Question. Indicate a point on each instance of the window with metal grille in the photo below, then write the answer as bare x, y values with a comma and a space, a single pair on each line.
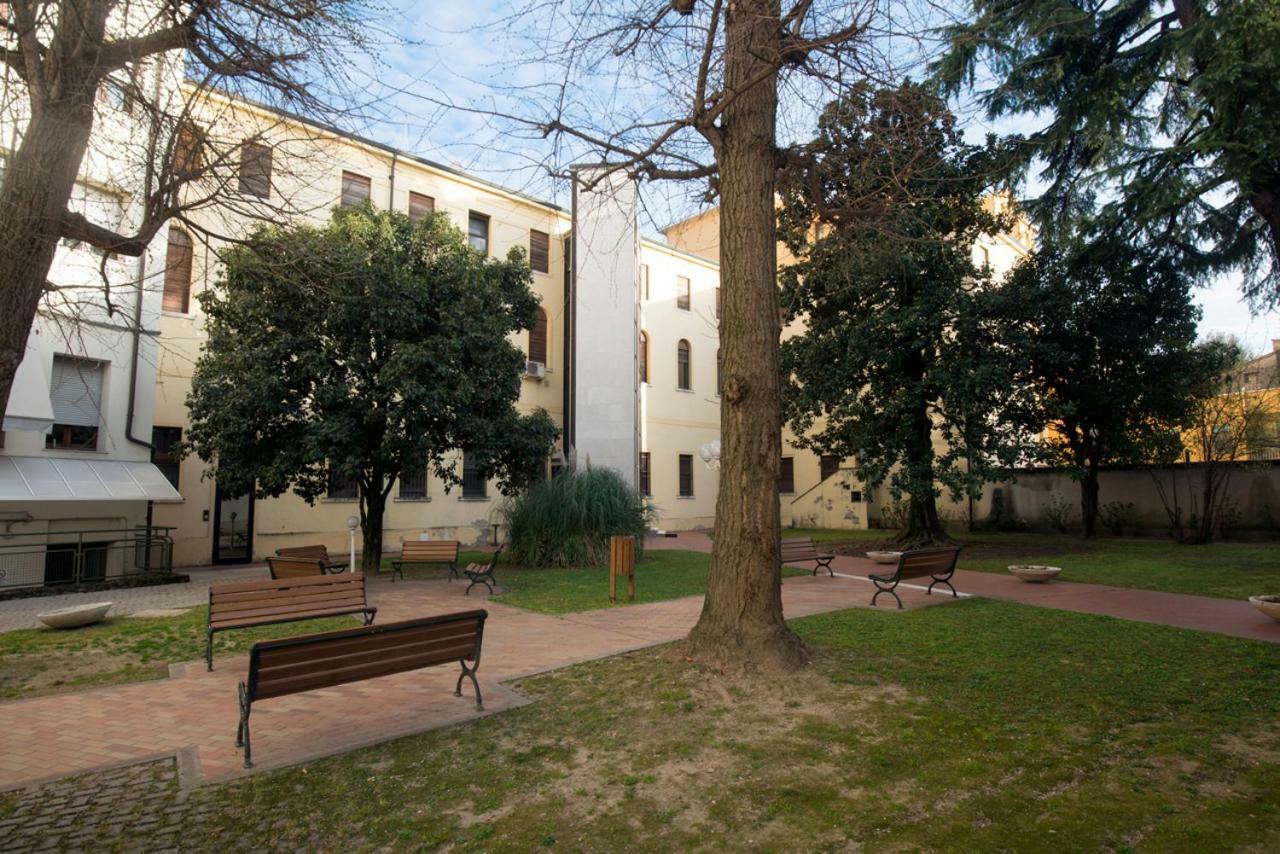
686, 475
682, 292
420, 206
163, 452
827, 466
539, 251
177, 272
255, 170
478, 231
413, 483
787, 475
75, 390
355, 189
538, 339
473, 483
645, 486
642, 355
684, 372
342, 486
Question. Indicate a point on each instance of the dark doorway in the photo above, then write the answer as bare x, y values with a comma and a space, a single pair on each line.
232, 528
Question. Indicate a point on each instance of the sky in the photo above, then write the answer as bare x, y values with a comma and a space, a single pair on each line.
448, 60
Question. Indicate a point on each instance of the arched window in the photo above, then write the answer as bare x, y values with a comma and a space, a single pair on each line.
684, 375
538, 339
177, 272
642, 355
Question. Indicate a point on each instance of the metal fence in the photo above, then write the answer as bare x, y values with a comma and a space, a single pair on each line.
94, 556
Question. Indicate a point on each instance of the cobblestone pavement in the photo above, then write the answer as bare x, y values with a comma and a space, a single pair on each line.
21, 613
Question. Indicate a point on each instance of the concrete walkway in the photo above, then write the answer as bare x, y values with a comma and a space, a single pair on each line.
1203, 613
193, 713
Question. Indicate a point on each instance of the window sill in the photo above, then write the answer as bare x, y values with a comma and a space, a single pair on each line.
686, 497
402, 500
475, 498
182, 315
684, 390
330, 500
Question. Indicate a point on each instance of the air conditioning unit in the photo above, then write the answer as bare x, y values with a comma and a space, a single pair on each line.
537, 370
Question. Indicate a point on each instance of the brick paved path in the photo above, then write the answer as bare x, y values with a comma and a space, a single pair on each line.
193, 714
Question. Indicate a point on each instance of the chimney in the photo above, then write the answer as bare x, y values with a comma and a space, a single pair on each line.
1275, 345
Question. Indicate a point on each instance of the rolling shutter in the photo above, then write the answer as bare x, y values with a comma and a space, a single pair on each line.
75, 390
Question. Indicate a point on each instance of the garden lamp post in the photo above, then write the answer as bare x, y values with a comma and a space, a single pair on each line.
352, 524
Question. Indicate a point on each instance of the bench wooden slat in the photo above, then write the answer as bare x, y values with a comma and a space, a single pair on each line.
937, 564
340, 647
273, 584
251, 601
315, 552
269, 619
332, 674
437, 550
354, 602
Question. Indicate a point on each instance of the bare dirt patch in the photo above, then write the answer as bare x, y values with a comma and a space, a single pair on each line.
31, 676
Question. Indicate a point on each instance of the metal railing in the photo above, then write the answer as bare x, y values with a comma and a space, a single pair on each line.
88, 557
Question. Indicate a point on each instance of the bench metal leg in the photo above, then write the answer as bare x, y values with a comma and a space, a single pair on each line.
397, 568
889, 590
469, 673
368, 617
242, 732
937, 580
480, 580
823, 564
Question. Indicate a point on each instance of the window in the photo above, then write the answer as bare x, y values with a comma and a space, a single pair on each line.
163, 453
76, 393
188, 151
787, 475
539, 251
478, 231
682, 292
642, 355
341, 486
717, 303
473, 485
644, 281
686, 475
255, 170
420, 206
538, 339
683, 372
645, 486
355, 189
177, 272
827, 466
413, 483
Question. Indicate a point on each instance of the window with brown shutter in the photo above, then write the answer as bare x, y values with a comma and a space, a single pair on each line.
787, 475
538, 339
827, 466
645, 486
355, 189
684, 372
539, 251
686, 475
682, 292
420, 206
255, 170
642, 355
177, 272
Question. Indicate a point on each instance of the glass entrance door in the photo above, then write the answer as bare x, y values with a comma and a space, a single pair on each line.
233, 528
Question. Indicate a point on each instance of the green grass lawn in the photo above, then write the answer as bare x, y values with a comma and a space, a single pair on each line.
663, 574
124, 649
976, 725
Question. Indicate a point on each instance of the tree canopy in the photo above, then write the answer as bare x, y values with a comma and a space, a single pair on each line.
365, 348
1168, 110
903, 342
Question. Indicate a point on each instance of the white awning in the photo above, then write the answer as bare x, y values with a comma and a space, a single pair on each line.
29, 405
56, 479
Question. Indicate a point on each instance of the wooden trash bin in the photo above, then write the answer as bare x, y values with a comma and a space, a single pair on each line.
622, 561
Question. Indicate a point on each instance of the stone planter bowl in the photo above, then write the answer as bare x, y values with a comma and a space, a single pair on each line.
75, 616
884, 557
1034, 573
1269, 605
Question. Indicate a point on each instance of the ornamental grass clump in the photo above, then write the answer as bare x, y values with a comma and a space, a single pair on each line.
567, 521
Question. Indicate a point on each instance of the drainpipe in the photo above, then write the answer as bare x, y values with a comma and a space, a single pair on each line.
391, 191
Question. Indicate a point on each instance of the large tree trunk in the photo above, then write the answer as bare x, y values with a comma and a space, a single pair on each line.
923, 526
38, 180
1089, 500
741, 626
373, 507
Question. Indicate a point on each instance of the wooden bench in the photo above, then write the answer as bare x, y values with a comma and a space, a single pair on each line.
422, 552
937, 564
482, 573
320, 553
802, 550
241, 604
309, 662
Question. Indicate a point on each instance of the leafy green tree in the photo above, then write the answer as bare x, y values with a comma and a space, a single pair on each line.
1170, 109
902, 364
364, 348
1110, 349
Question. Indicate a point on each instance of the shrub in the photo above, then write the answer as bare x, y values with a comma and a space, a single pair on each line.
1058, 514
1118, 517
894, 514
567, 521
